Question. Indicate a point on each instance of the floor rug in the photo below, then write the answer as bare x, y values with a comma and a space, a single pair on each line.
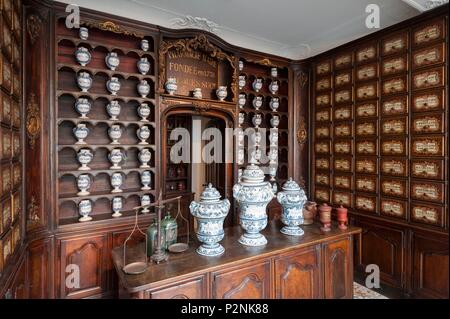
361, 292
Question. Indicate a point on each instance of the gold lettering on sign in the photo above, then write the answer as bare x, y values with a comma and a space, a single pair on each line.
394, 65
427, 146
427, 124
394, 45
365, 129
366, 110
342, 96
394, 106
322, 132
423, 212
393, 147
393, 188
343, 78
323, 84
426, 102
425, 191
365, 184
366, 54
342, 147
365, 166
394, 127
342, 165
322, 163
427, 56
342, 113
365, 147
365, 203
427, 79
428, 34
392, 208
323, 100
393, 167
342, 130
367, 72
394, 85
323, 68
342, 199
323, 116
425, 169
366, 91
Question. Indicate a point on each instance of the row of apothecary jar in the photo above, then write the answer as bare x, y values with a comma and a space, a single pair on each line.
257, 120
273, 70
83, 106
116, 156
81, 132
258, 101
172, 87
257, 84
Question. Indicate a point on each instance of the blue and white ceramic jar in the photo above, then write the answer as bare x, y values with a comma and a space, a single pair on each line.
242, 100
144, 157
113, 109
210, 213
84, 209
143, 88
113, 85
274, 72
222, 92
84, 33
115, 133
117, 205
146, 180
253, 194
112, 61
84, 81
275, 121
81, 132
116, 182
257, 102
241, 118
292, 198
273, 87
143, 134
241, 82
171, 85
83, 184
257, 120
83, 56
144, 112
145, 46
83, 107
257, 84
143, 66
84, 157
116, 157
145, 201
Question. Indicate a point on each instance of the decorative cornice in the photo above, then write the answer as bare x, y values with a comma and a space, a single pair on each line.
113, 27
33, 121
196, 23
34, 27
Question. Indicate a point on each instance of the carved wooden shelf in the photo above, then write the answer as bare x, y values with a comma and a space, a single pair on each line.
109, 122
109, 97
107, 146
94, 196
93, 172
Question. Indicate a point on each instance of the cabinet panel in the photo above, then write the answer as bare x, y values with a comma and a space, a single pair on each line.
427, 213
322, 131
189, 289
322, 179
343, 60
366, 203
343, 96
366, 147
394, 147
366, 109
323, 115
366, 183
322, 163
323, 67
38, 271
367, 72
323, 99
322, 195
298, 276
367, 165
343, 181
342, 147
429, 78
250, 282
367, 91
322, 147
366, 128
429, 56
427, 168
343, 129
338, 266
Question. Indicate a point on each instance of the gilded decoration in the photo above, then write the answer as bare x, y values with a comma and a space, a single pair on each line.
302, 134
113, 27
33, 121
34, 27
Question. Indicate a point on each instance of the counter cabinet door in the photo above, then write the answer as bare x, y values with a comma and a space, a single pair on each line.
194, 288
338, 269
250, 281
298, 275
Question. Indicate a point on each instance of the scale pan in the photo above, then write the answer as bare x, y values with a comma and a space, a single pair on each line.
178, 247
135, 268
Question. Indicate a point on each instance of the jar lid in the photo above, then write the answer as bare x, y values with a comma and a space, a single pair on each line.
210, 193
253, 174
291, 186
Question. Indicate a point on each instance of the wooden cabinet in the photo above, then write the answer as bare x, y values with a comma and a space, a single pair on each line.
298, 275
338, 263
194, 288
247, 282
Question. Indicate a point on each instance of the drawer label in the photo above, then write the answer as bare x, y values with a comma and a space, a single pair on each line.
393, 167
367, 72
427, 79
393, 147
342, 130
322, 148
322, 163
425, 169
366, 110
323, 68
323, 84
343, 113
394, 65
427, 56
342, 181
366, 166
427, 147
427, 213
394, 45
341, 198
393, 188
392, 208
342, 165
342, 96
322, 132
366, 129
342, 147
394, 127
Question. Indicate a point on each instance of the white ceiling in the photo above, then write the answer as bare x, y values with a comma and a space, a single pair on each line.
295, 29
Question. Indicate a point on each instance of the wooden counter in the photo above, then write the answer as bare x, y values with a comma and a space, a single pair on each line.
316, 265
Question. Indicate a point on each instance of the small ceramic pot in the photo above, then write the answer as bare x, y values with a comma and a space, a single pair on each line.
83, 184
84, 33
221, 93
143, 88
83, 56
83, 107
84, 157
197, 93
272, 172
84, 209
146, 179
171, 85
273, 155
241, 65
113, 85
257, 102
84, 81
115, 133
112, 61
274, 72
143, 66
144, 112
143, 134
144, 157
113, 110
116, 157
81, 132
242, 100
117, 205
145, 200
116, 182
241, 82
274, 104
241, 119
309, 213
275, 121
325, 217
257, 120
342, 217
145, 46
273, 87
257, 84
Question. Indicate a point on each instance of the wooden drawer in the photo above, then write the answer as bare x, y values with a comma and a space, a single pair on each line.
322, 178
6, 215
366, 165
342, 61
366, 128
249, 282
394, 106
323, 115
394, 208
428, 123
323, 99
367, 53
395, 85
428, 32
366, 109
428, 78
189, 289
343, 129
426, 213
16, 206
323, 67
343, 113
394, 147
342, 147
322, 147
5, 108
394, 43
394, 126
16, 120
6, 75
427, 146
394, 166
427, 168
16, 175
322, 131
6, 41
342, 164
394, 65
430, 100
342, 198
394, 187
428, 191
322, 163
365, 203
6, 250
366, 183
322, 195
6, 178
428, 56
343, 96
343, 181
367, 91
367, 72
366, 147
323, 84
6, 140
343, 78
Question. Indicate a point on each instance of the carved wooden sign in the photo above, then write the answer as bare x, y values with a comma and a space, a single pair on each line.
196, 63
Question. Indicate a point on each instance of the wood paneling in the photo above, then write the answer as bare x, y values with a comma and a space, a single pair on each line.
338, 264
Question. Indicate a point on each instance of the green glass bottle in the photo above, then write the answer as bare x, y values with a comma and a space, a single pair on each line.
169, 228
152, 237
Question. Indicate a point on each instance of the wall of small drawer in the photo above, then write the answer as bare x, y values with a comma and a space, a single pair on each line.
380, 123
10, 137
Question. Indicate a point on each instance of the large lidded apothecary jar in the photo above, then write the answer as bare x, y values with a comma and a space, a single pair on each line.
292, 198
253, 194
210, 213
